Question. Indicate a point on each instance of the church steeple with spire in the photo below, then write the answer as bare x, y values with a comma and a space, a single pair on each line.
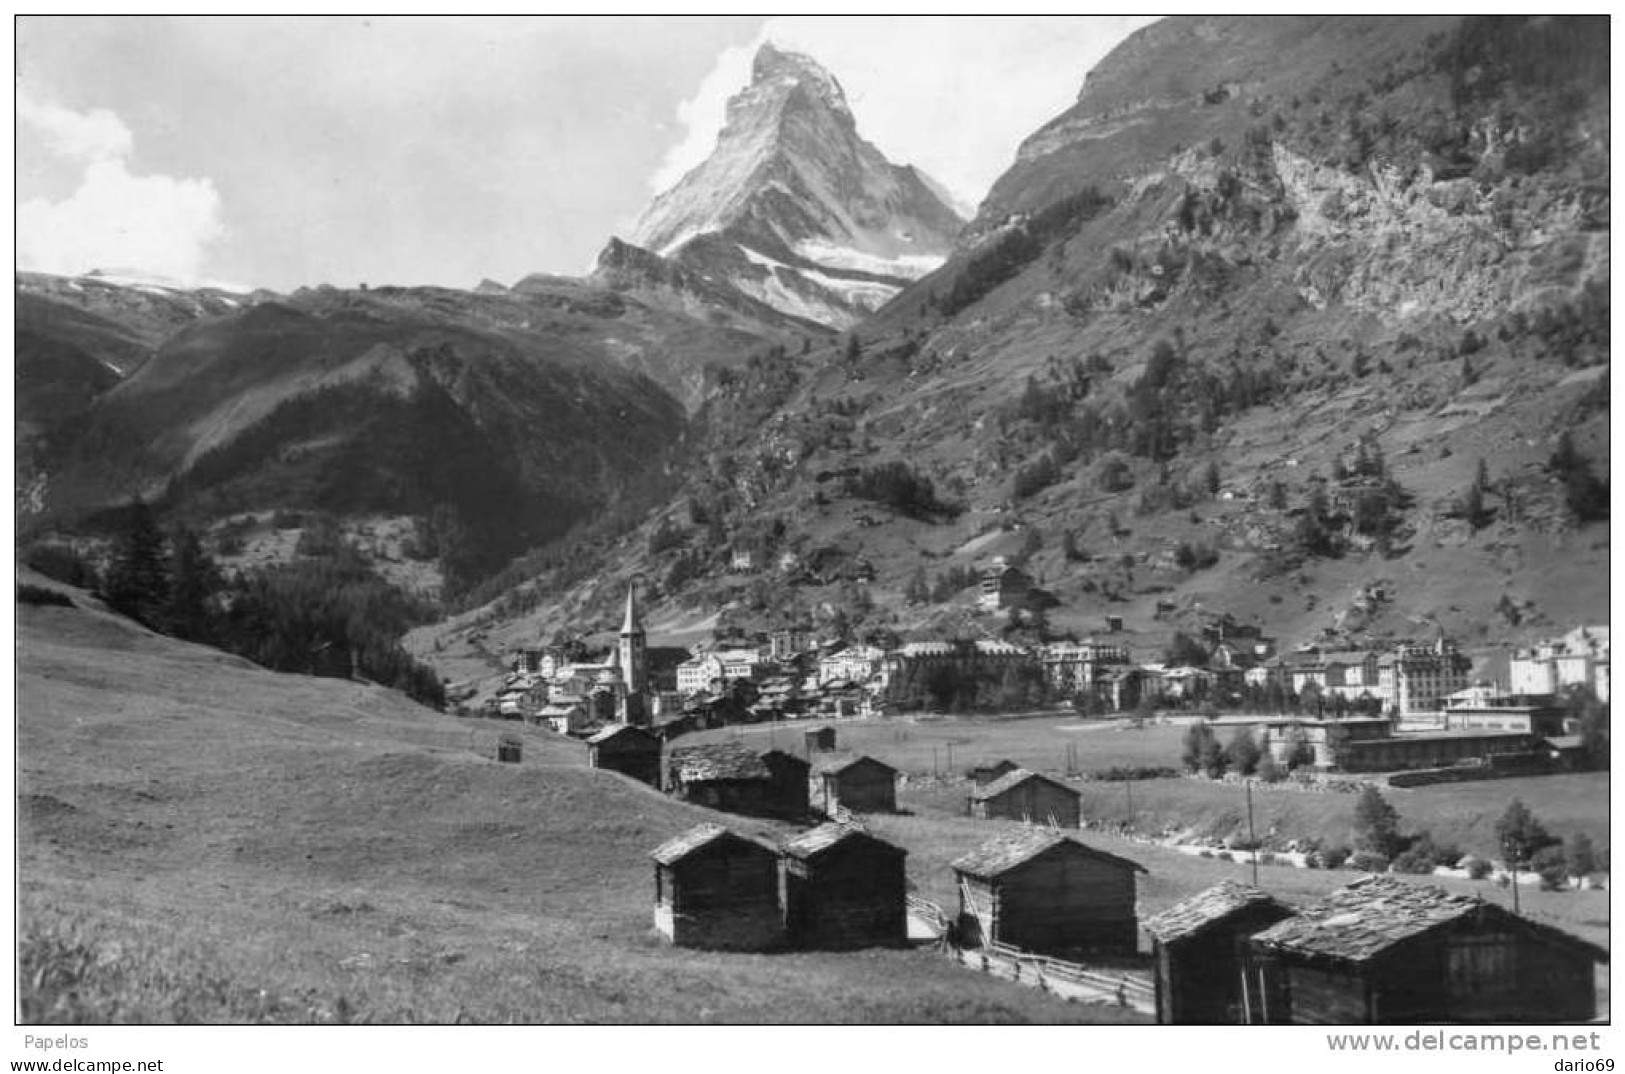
633, 647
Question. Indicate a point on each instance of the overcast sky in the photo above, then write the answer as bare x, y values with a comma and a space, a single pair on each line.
301, 150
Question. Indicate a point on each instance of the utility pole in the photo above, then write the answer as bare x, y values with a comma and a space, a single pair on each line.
1252, 836
1128, 792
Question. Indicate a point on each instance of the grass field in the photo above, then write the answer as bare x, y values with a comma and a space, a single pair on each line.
1463, 813
199, 839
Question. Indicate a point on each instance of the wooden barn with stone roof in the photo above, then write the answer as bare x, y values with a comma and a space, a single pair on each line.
858, 784
717, 889
1026, 796
628, 749
737, 779
843, 888
1047, 893
1204, 975
1384, 951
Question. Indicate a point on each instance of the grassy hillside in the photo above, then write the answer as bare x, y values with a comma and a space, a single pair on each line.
203, 840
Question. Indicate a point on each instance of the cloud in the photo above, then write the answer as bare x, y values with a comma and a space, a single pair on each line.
94, 135
954, 96
155, 224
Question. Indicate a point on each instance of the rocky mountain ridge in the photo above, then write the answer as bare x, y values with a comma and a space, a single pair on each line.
793, 207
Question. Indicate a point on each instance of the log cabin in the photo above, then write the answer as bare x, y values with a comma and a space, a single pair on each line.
1200, 952
627, 749
842, 888
717, 889
1384, 951
1047, 893
857, 784
1026, 796
737, 779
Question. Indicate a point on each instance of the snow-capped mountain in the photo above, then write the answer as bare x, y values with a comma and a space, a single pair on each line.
795, 209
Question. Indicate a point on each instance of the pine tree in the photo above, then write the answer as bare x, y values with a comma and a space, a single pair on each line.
138, 578
195, 579
1376, 824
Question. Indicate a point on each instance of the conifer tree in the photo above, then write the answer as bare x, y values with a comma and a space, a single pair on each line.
138, 578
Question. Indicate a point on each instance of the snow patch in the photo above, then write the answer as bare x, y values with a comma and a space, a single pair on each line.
907, 266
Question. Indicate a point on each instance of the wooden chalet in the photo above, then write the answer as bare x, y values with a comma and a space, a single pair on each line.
717, 889
1383, 951
1199, 947
843, 888
737, 779
819, 740
628, 749
857, 784
1047, 893
1026, 796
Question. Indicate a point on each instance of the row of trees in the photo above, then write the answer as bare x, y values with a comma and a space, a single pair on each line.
325, 613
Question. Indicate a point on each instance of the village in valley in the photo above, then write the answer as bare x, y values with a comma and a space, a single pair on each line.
1035, 899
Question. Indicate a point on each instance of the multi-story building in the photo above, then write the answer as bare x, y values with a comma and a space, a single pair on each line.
1003, 586
857, 663
1579, 658
1416, 679
1072, 668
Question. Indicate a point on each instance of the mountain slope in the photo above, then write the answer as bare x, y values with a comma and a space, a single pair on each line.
1233, 334
794, 208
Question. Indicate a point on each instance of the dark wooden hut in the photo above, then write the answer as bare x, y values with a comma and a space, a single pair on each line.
717, 889
819, 740
1384, 951
628, 749
510, 749
1204, 975
856, 784
1047, 893
787, 795
724, 775
1026, 796
842, 888
984, 774
737, 779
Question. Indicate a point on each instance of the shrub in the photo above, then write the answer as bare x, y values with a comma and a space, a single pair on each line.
34, 594
1333, 857
1269, 770
1478, 868
1376, 825
1553, 867
1369, 862
1419, 858
1225, 855
61, 563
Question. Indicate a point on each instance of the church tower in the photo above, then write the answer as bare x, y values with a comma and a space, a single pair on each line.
633, 659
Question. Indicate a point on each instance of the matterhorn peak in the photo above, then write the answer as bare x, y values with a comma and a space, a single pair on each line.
781, 67
794, 208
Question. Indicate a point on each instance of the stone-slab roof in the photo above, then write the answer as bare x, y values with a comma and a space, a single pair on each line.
1013, 778
701, 835
1205, 909
1368, 917
998, 856
822, 838
719, 761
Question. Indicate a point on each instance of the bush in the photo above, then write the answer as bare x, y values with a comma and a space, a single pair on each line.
1478, 868
63, 564
1552, 864
1333, 857
1419, 858
33, 594
1368, 862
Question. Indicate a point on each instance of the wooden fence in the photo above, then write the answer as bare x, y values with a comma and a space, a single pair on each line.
1069, 980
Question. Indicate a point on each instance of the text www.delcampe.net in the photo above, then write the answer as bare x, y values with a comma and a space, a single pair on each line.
1435, 1040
